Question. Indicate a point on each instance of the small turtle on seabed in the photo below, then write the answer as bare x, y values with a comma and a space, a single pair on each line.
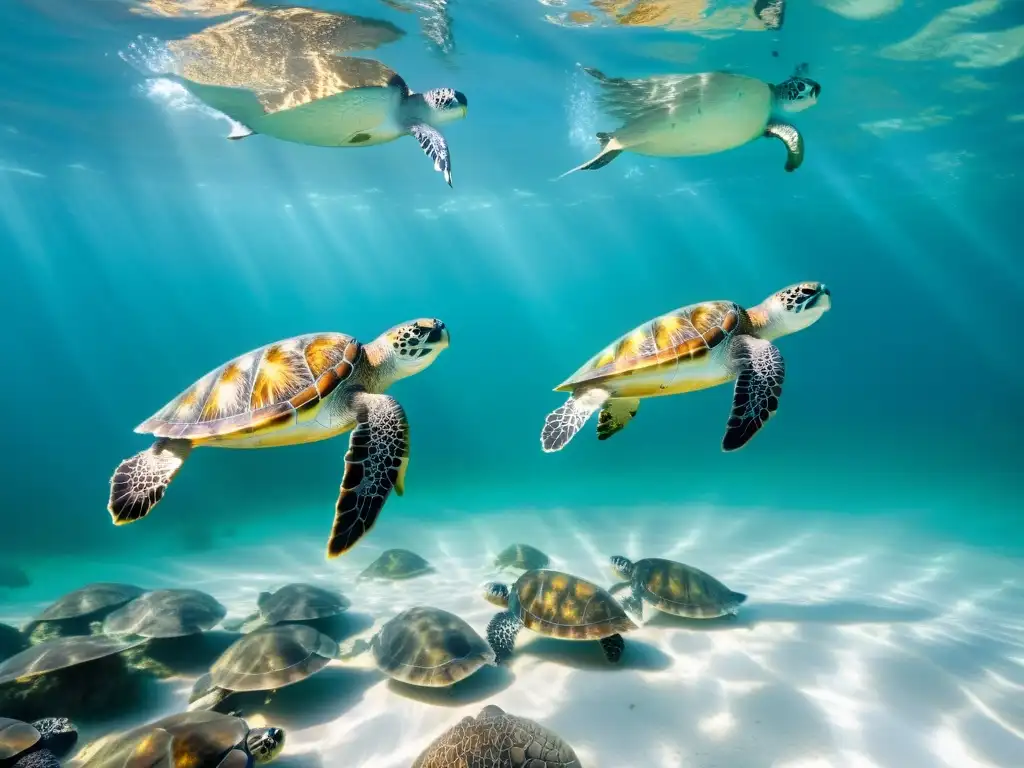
496, 739
264, 660
395, 565
83, 675
559, 605
79, 612
692, 348
194, 739
299, 390
296, 602
41, 744
701, 114
521, 557
429, 647
673, 588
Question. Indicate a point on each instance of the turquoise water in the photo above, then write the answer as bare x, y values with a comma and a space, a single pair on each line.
141, 250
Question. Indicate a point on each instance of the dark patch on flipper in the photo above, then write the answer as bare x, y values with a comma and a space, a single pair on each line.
758, 387
615, 415
359, 138
613, 646
378, 451
502, 630
794, 142
772, 13
139, 482
435, 147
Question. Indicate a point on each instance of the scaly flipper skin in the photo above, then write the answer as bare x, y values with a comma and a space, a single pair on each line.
794, 142
613, 646
615, 415
501, 635
139, 482
435, 147
564, 422
42, 758
761, 371
378, 454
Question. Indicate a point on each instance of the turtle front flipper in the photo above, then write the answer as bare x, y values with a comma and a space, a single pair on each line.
139, 483
613, 646
564, 422
634, 604
206, 695
435, 147
615, 415
41, 758
501, 635
378, 454
794, 142
760, 372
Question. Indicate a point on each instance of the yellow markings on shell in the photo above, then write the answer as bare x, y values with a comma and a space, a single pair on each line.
665, 329
570, 612
278, 376
583, 591
558, 583
325, 352
655, 582
226, 395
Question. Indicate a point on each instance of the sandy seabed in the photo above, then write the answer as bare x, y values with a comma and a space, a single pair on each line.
863, 644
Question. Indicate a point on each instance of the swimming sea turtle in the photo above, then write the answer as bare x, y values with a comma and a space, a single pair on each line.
41, 744
556, 604
673, 588
12, 641
300, 390
76, 612
296, 602
165, 613
429, 647
341, 101
395, 564
521, 556
497, 739
677, 115
265, 660
691, 348
194, 739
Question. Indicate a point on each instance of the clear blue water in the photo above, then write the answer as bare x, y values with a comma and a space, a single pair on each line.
141, 249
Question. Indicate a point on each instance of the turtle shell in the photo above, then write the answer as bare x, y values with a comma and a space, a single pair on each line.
301, 602
16, 738
683, 590
54, 655
264, 389
396, 564
643, 360
557, 604
195, 739
271, 658
496, 738
166, 613
429, 647
88, 600
521, 556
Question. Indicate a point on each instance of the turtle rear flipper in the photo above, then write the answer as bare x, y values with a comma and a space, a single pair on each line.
613, 646
501, 635
139, 482
564, 422
378, 454
610, 149
615, 415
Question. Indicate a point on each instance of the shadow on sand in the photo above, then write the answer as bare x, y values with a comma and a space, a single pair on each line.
190, 655
840, 612
316, 701
484, 683
588, 654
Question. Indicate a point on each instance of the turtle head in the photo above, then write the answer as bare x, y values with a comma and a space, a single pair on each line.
265, 744
790, 310
496, 594
410, 347
446, 104
797, 93
622, 567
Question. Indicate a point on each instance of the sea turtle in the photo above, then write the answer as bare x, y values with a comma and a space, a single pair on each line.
194, 739
674, 588
81, 674
12, 641
166, 613
265, 660
687, 115
296, 602
395, 564
496, 739
337, 101
77, 612
522, 557
429, 647
300, 390
559, 605
691, 348
41, 744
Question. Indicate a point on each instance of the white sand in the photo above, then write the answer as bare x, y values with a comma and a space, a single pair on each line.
861, 646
